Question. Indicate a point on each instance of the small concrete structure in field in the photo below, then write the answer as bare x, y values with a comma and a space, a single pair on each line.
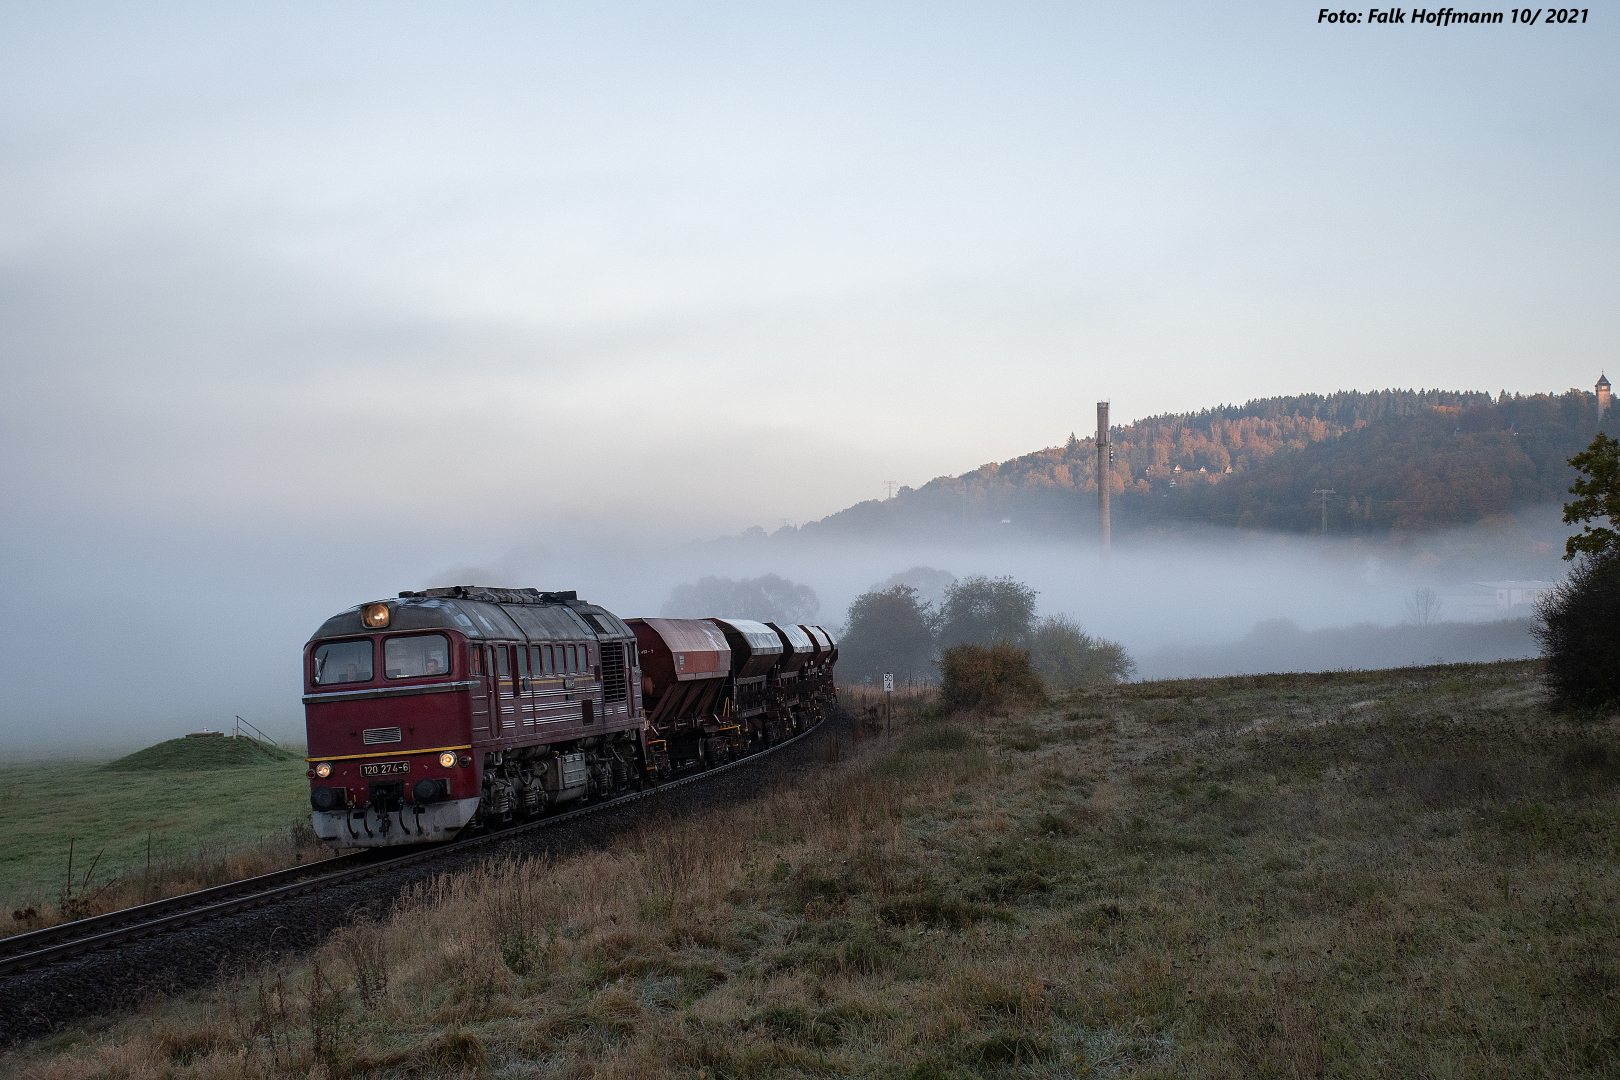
1513, 594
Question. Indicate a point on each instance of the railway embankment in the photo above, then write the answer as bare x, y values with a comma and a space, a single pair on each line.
1407, 872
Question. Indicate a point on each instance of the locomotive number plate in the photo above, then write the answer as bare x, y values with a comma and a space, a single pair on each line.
385, 768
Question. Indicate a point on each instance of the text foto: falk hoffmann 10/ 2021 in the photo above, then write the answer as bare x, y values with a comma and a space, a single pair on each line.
1453, 17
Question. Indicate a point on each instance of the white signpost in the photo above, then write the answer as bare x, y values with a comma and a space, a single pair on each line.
888, 702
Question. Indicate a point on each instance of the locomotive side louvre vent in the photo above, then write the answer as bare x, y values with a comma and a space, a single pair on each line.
613, 686
373, 736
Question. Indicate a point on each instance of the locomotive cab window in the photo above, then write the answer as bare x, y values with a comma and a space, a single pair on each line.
343, 662
417, 656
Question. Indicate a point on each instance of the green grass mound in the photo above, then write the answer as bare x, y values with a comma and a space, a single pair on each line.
201, 754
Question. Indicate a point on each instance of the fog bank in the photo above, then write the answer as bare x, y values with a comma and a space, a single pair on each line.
165, 634
1280, 645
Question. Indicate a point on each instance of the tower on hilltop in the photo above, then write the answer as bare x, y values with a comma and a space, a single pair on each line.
1105, 477
1603, 395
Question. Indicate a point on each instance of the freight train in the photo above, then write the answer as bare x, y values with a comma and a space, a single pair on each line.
448, 711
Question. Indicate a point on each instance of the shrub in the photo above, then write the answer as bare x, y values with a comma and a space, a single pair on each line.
977, 677
1580, 635
1067, 657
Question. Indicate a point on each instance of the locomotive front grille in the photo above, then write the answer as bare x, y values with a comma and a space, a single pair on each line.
373, 736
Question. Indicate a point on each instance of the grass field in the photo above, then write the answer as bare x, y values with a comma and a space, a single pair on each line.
1397, 873
211, 810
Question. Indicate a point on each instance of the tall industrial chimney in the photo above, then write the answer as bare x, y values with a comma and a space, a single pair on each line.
1105, 474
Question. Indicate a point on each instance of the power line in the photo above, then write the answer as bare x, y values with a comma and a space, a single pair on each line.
1324, 492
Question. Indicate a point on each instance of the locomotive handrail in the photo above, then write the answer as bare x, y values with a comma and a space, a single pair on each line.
388, 751
109, 932
391, 691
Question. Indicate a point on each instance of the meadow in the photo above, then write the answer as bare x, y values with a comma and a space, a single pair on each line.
1349, 874
172, 818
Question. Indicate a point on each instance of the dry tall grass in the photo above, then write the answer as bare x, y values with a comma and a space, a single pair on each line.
1405, 873
90, 890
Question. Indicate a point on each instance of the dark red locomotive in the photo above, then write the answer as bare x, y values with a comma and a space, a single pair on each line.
466, 707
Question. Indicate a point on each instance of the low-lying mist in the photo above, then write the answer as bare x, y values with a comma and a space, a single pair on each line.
1216, 602
114, 646
1280, 645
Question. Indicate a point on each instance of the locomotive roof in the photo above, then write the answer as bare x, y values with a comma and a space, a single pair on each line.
508, 614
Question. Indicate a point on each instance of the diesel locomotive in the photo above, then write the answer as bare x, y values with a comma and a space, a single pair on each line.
453, 710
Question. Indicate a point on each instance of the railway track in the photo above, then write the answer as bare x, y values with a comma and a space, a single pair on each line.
23, 953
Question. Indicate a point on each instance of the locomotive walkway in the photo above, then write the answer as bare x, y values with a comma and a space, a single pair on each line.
53, 976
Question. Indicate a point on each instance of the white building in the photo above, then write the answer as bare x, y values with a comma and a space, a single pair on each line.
1513, 594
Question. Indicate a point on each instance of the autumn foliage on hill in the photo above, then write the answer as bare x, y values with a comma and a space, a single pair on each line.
1396, 460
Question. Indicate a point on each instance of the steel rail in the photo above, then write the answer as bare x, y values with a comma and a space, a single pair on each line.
19, 944
57, 943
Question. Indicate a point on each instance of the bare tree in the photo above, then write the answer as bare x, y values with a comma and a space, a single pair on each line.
1423, 607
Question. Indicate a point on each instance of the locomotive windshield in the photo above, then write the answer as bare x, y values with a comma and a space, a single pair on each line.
343, 661
416, 656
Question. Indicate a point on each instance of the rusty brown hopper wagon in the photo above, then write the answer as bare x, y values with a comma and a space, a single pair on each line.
685, 665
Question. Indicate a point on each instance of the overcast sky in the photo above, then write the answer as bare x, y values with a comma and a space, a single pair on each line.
305, 300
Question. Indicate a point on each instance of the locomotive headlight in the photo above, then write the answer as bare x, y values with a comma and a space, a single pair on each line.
323, 770
374, 615
447, 759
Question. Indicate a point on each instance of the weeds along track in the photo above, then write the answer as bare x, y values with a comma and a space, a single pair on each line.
114, 961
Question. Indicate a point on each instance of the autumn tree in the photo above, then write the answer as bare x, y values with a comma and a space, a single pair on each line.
1597, 495
1580, 620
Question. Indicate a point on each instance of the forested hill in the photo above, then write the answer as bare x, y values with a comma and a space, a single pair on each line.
1396, 460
